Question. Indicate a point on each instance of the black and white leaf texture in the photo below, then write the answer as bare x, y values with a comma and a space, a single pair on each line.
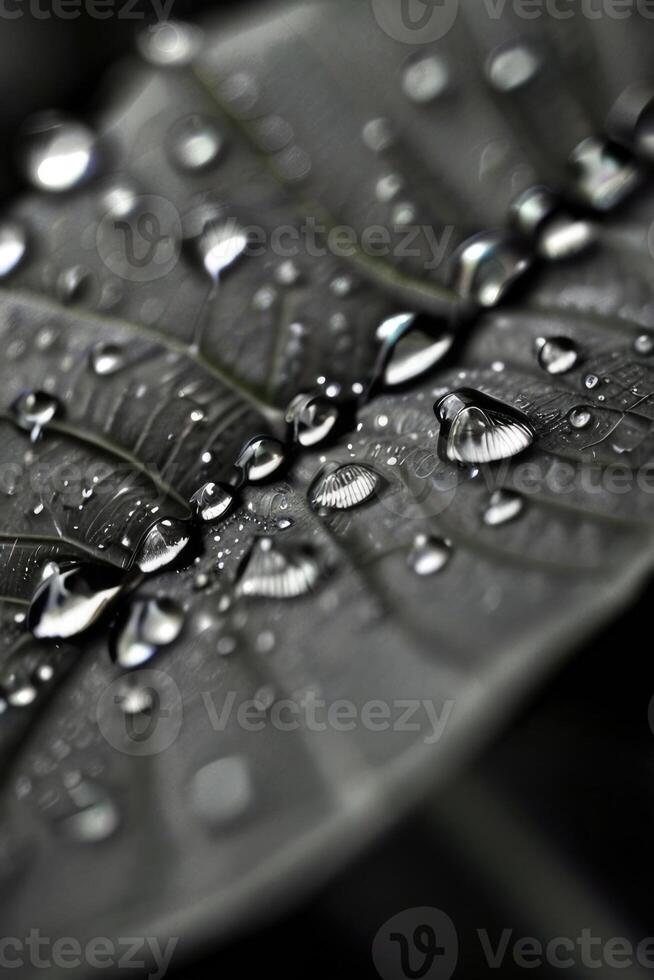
212, 828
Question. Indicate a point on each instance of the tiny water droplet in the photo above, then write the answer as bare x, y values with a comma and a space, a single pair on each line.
425, 79
429, 554
511, 66
504, 506
57, 153
118, 199
222, 791
378, 135
342, 487
274, 571
220, 245
287, 274
132, 697
107, 359
146, 625
604, 173
71, 599
579, 418
212, 501
13, 245
564, 237
260, 458
162, 544
195, 143
487, 265
312, 418
558, 355
33, 410
411, 345
644, 344
476, 428
170, 44
75, 285
591, 381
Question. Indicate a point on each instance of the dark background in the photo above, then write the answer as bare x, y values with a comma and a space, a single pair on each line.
549, 831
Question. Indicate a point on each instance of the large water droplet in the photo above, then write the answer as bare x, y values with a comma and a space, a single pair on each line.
274, 571
557, 355
107, 359
222, 791
604, 173
71, 599
410, 346
260, 458
579, 418
220, 245
429, 554
476, 428
425, 79
312, 418
212, 501
13, 244
511, 66
57, 153
504, 506
195, 143
33, 410
487, 266
145, 625
170, 44
342, 487
162, 544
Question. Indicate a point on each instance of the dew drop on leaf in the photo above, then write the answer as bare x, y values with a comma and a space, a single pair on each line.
410, 346
429, 554
107, 359
95, 816
143, 627
511, 66
504, 506
57, 153
162, 544
487, 265
212, 501
71, 599
343, 487
170, 44
579, 418
591, 381
260, 458
425, 79
476, 428
13, 245
312, 418
558, 355
644, 344
221, 791
195, 143
33, 410
275, 572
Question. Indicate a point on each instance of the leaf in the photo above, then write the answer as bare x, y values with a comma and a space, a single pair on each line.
285, 731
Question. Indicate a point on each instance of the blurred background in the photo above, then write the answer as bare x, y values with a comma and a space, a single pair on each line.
547, 832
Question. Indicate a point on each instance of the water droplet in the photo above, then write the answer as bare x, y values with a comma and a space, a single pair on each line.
504, 506
260, 458
388, 187
75, 285
195, 143
132, 697
591, 381
162, 544
312, 418
487, 266
71, 599
107, 359
13, 245
558, 355
287, 274
429, 555
579, 418
476, 428
342, 286
274, 571
118, 200
57, 153
144, 626
411, 345
212, 501
563, 237
604, 173
33, 410
644, 344
342, 487
222, 791
170, 44
378, 135
532, 208
512, 66
425, 79
220, 245
96, 817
